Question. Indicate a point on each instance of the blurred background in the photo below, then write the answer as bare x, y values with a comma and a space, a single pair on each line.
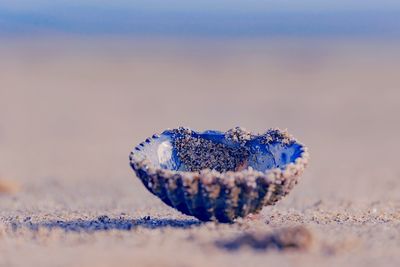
82, 82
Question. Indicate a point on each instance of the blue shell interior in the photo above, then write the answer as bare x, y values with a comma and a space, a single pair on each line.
163, 152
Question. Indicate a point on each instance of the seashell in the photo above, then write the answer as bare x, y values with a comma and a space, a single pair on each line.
216, 175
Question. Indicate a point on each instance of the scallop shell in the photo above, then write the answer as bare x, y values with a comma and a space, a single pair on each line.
219, 176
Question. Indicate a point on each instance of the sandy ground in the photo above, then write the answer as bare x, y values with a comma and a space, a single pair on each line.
71, 110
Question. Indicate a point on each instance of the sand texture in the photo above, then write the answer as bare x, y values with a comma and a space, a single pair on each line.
71, 110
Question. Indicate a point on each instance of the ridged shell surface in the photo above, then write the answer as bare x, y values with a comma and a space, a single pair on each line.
216, 175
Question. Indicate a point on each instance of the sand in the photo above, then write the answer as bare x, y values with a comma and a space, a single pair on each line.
72, 109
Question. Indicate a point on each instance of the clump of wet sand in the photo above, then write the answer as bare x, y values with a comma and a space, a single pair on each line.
288, 238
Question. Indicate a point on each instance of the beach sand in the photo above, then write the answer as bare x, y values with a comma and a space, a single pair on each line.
71, 109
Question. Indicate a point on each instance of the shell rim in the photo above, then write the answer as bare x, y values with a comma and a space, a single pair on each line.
291, 170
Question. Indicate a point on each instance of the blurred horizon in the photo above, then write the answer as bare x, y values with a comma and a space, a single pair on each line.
206, 19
